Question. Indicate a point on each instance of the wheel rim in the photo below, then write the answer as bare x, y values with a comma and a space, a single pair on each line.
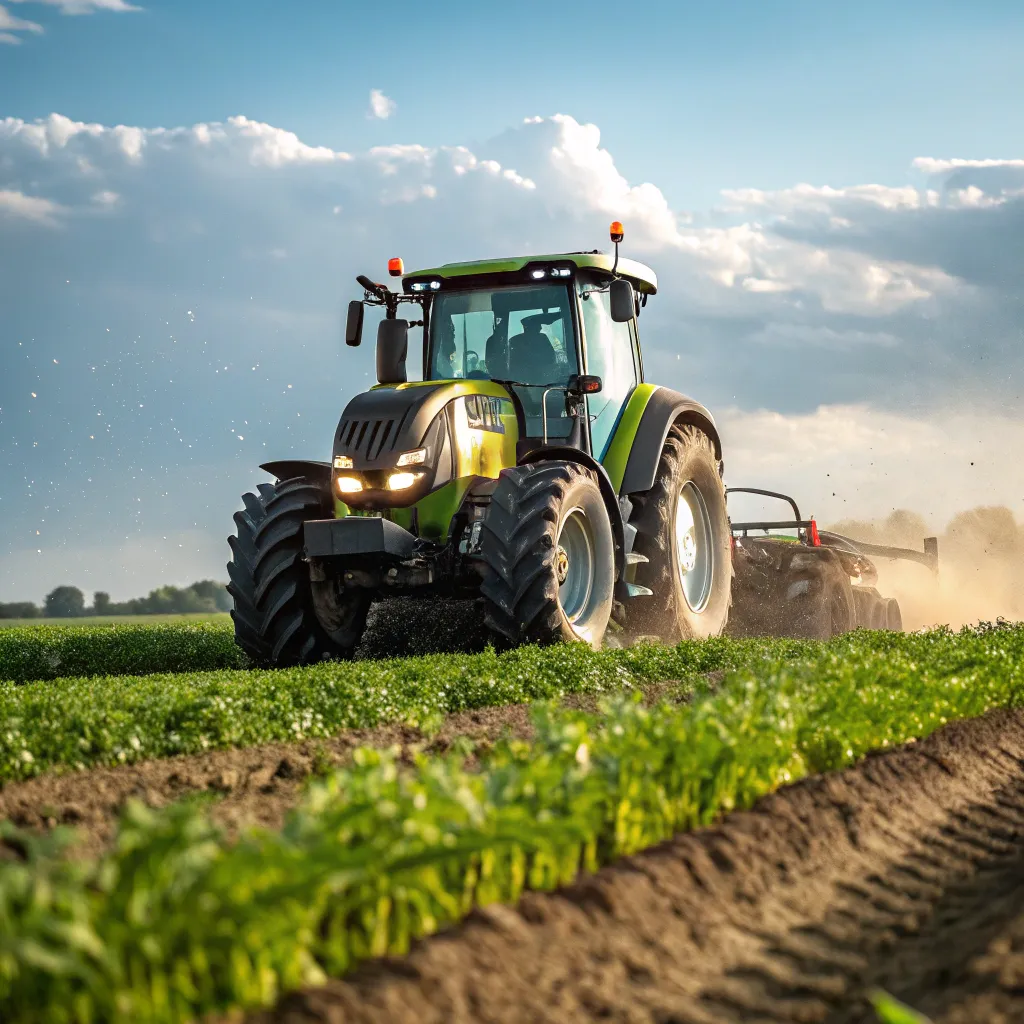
695, 555
575, 565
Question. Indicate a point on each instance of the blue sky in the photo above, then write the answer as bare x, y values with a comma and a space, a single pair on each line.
832, 196
694, 96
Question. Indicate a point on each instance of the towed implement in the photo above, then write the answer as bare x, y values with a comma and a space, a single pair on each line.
532, 467
793, 579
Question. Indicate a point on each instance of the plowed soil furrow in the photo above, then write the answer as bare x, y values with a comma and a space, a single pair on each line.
905, 872
251, 786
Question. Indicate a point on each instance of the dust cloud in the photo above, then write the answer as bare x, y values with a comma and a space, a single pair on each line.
981, 566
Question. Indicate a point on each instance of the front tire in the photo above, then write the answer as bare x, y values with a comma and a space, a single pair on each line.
282, 618
549, 556
683, 531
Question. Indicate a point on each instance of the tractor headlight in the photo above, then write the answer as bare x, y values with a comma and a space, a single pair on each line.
414, 458
343, 462
399, 481
349, 485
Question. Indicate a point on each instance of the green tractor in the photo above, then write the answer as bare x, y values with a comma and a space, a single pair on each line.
531, 468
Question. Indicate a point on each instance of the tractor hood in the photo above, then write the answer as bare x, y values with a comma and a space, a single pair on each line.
422, 421
380, 425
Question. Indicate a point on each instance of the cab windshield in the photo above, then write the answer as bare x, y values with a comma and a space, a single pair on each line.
523, 335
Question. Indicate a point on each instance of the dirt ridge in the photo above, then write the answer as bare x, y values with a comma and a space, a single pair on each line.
905, 872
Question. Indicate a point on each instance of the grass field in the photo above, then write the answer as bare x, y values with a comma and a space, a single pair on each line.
176, 920
116, 620
50, 652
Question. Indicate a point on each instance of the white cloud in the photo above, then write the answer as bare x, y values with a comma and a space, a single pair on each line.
84, 6
16, 204
822, 198
381, 106
274, 146
9, 24
931, 165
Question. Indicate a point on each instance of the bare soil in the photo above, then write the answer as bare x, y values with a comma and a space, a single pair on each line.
252, 786
904, 872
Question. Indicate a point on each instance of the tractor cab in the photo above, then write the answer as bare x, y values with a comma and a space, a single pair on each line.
559, 331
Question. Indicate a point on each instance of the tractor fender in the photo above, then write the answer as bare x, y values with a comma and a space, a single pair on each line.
664, 409
566, 453
285, 469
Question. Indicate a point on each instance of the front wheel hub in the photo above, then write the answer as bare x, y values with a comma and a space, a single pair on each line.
561, 565
575, 565
694, 547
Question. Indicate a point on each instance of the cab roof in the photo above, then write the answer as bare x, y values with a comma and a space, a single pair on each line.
642, 277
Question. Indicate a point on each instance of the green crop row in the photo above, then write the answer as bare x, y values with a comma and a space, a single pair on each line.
177, 922
78, 723
49, 652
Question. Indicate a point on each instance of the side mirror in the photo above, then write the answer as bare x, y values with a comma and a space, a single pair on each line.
392, 349
354, 323
621, 299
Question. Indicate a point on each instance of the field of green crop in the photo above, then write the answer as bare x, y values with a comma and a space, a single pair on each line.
222, 618
118, 648
175, 921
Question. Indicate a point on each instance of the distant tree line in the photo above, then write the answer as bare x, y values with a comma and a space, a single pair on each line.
206, 596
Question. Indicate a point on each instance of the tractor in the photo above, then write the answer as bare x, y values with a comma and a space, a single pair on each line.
531, 468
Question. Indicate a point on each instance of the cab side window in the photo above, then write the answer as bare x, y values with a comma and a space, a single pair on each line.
609, 355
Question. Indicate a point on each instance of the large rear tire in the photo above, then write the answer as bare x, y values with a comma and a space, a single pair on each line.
549, 553
282, 618
683, 531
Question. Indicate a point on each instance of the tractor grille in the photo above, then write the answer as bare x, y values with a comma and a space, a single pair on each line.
367, 438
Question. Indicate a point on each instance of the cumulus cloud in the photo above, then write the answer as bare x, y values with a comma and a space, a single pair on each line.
9, 25
203, 269
381, 106
16, 204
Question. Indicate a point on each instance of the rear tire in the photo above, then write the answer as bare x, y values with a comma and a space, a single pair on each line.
683, 530
281, 618
241, 571
549, 554
821, 603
